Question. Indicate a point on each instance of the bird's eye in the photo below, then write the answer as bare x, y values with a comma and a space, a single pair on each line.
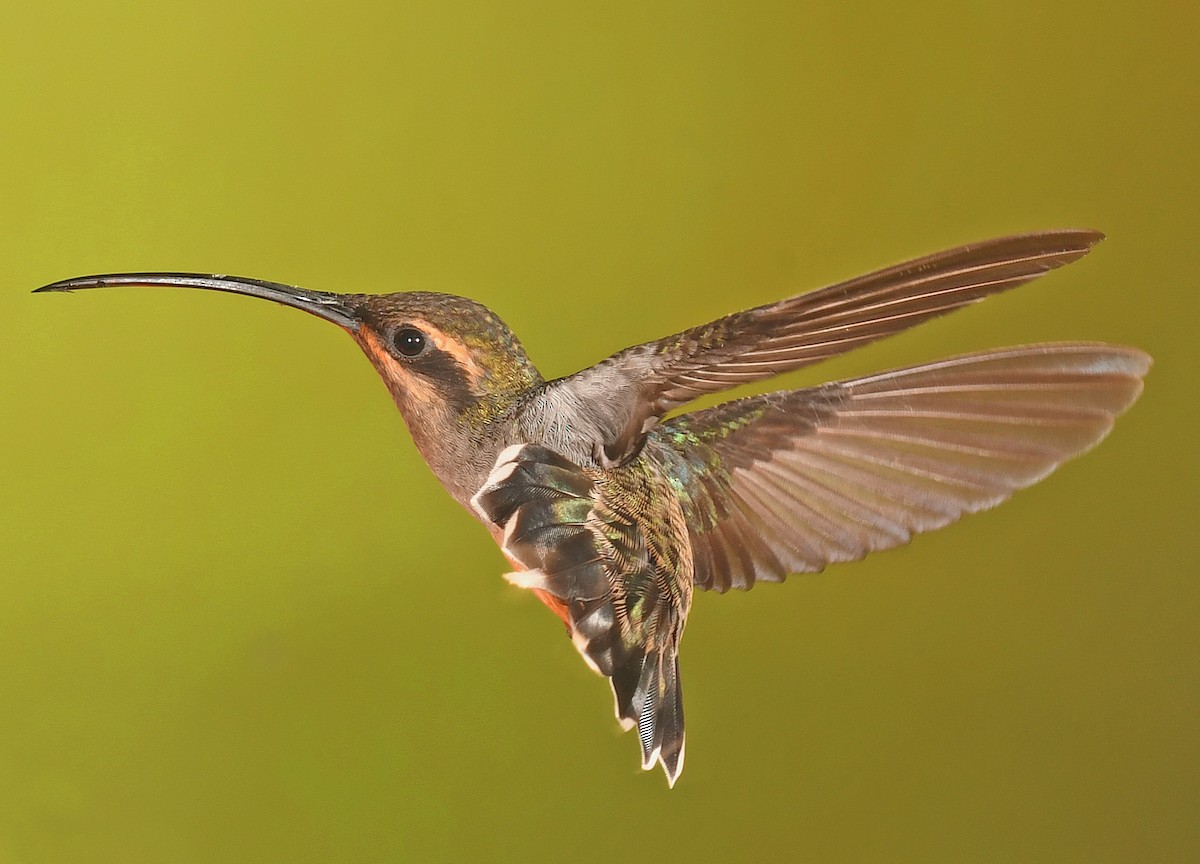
409, 341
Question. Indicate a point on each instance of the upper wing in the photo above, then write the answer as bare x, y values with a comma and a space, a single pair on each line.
610, 549
641, 384
788, 482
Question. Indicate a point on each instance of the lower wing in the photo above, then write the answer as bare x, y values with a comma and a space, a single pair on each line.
788, 482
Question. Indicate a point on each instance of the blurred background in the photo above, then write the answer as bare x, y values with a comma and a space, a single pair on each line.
240, 621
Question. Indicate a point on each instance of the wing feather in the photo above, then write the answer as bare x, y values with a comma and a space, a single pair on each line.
792, 481
641, 384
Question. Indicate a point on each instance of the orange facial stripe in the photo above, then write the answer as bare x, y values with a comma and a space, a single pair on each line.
392, 370
451, 346
389, 366
371, 344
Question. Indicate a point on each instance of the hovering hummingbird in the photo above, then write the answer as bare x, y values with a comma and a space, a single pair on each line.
612, 515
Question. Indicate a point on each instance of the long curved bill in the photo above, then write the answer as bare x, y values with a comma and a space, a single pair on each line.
336, 308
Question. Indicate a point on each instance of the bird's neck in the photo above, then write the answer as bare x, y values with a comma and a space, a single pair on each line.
460, 440
463, 414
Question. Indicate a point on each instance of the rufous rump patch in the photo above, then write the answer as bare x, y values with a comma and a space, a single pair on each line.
556, 605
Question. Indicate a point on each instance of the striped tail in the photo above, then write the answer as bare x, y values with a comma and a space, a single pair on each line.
587, 554
649, 698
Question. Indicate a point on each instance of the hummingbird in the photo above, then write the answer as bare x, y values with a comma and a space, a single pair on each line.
613, 513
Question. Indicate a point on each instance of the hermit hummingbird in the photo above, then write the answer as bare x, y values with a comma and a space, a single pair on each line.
613, 513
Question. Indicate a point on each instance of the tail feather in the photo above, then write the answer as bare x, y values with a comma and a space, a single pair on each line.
582, 540
649, 697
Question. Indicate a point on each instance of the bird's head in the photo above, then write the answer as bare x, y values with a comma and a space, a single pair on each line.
443, 358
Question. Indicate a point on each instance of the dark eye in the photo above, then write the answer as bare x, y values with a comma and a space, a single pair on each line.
409, 341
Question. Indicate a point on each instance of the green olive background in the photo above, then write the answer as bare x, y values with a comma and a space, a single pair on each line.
240, 621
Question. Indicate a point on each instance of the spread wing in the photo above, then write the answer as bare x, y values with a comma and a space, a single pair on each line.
641, 384
609, 548
791, 481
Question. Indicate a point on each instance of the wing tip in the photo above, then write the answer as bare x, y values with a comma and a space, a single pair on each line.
1087, 237
1140, 362
1082, 239
1052, 248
